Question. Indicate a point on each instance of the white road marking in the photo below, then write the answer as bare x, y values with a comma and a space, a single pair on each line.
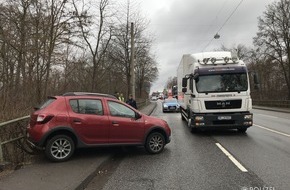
277, 132
264, 115
240, 166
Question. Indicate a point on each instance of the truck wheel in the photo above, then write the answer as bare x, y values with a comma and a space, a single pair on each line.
242, 130
59, 148
182, 117
155, 143
193, 129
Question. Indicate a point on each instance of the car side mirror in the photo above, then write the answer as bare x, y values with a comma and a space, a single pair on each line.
137, 115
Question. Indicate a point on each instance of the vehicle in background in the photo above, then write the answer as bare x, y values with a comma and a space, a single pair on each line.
154, 98
174, 92
161, 96
170, 105
76, 120
215, 91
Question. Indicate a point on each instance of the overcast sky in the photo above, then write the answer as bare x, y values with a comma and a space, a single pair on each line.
187, 26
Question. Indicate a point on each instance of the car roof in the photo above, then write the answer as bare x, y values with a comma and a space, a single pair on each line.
88, 94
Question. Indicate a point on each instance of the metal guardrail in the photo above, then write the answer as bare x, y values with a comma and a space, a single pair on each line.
12, 131
272, 103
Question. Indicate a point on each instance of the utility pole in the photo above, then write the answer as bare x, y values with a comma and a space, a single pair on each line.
132, 63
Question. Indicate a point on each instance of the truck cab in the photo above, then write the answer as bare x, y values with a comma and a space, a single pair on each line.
216, 91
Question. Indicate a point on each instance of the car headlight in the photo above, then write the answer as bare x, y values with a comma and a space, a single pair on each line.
165, 106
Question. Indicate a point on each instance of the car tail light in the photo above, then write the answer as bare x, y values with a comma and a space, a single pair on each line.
44, 118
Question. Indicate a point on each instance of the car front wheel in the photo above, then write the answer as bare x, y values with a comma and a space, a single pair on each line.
59, 148
155, 143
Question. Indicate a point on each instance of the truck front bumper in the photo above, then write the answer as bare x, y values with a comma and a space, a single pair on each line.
222, 120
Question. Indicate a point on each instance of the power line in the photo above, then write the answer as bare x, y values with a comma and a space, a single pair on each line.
218, 13
224, 23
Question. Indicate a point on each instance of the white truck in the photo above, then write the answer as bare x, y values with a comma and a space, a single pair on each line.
214, 91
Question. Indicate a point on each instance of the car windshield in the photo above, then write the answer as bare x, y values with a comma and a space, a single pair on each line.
170, 101
234, 82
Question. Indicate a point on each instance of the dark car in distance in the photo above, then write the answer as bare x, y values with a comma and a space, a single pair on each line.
75, 120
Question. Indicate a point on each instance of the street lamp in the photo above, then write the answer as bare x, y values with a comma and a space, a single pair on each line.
217, 36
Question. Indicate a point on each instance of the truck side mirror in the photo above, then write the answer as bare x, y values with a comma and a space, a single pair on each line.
184, 83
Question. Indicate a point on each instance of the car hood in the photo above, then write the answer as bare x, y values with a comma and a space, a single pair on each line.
154, 120
170, 104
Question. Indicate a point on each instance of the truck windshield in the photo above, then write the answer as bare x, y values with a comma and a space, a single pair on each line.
233, 82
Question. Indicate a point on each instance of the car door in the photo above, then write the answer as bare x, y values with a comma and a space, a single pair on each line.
124, 126
89, 121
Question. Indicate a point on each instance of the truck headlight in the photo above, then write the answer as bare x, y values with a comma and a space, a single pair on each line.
248, 117
199, 118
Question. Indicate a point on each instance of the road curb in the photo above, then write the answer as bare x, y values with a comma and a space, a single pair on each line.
92, 175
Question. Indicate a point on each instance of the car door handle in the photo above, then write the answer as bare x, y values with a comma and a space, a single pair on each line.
77, 121
115, 123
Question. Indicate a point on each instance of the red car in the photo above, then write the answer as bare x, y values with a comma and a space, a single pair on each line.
75, 120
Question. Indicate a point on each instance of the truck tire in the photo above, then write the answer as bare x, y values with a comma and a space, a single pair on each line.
193, 129
182, 117
242, 130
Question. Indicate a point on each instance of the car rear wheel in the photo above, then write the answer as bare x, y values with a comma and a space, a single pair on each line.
59, 148
155, 143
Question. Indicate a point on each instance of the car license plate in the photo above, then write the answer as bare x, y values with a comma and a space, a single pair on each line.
172, 108
224, 117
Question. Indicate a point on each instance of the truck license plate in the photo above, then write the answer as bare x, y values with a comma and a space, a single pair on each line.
224, 117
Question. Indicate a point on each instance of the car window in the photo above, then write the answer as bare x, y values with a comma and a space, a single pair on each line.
170, 101
87, 106
46, 103
117, 109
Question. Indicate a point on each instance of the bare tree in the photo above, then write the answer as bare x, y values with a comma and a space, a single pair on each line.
44, 50
273, 37
240, 50
145, 64
146, 69
98, 43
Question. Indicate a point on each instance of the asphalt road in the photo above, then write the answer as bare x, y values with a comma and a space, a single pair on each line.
226, 159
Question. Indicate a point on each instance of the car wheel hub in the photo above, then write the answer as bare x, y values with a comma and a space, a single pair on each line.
60, 148
156, 143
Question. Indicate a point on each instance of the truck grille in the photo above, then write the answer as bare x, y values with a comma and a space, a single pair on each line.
224, 104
